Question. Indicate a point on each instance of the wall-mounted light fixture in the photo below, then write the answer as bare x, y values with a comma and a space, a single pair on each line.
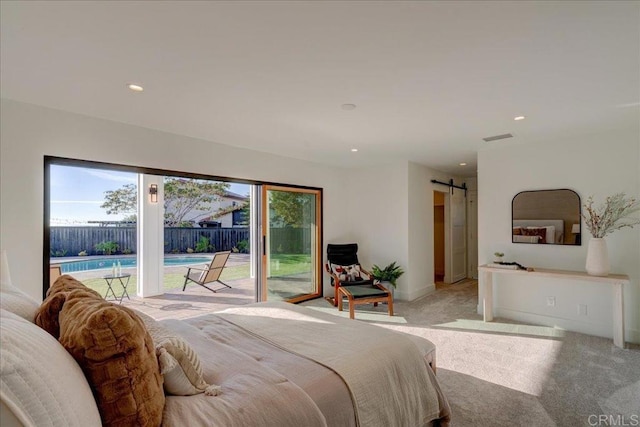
153, 193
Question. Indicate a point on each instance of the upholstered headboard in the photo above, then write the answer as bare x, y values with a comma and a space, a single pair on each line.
558, 224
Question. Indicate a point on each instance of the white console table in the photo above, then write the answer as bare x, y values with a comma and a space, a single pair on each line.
616, 280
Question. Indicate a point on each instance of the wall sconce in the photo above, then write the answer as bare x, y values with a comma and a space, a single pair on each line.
153, 193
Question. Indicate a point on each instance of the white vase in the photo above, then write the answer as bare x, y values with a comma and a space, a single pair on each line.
597, 257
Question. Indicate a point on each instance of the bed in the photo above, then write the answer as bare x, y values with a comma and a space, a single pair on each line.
275, 364
545, 231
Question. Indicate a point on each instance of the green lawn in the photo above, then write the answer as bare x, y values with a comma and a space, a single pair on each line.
281, 265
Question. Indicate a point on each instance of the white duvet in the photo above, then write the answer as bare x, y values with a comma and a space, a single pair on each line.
285, 365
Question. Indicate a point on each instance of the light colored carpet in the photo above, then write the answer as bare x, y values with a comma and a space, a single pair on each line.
505, 373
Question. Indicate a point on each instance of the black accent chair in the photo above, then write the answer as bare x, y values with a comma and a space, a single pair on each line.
347, 255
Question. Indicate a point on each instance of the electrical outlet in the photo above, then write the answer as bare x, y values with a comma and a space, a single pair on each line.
582, 309
551, 301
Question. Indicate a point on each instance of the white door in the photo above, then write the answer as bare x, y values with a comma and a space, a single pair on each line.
457, 235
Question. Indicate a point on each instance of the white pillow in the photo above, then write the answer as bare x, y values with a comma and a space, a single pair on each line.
349, 273
13, 299
525, 239
5, 276
179, 364
203, 274
40, 383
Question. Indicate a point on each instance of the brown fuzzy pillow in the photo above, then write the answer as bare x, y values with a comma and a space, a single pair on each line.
540, 232
114, 350
47, 315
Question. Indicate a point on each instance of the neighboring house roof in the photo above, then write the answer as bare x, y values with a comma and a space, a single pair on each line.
215, 218
232, 195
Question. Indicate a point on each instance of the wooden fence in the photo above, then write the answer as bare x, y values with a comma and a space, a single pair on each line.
70, 241
290, 240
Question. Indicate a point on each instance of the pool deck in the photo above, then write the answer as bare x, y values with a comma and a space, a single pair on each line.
195, 300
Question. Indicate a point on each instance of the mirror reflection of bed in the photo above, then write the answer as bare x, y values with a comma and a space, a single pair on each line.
538, 231
546, 217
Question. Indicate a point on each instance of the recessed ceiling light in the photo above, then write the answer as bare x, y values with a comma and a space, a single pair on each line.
519, 118
135, 87
463, 164
348, 106
354, 150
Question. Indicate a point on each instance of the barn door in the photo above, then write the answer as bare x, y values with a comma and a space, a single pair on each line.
457, 236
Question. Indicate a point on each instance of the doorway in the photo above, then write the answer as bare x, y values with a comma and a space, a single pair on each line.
291, 244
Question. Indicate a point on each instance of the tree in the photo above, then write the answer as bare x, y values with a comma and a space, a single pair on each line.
121, 201
294, 209
184, 199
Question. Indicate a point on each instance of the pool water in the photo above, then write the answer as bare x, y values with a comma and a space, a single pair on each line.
107, 263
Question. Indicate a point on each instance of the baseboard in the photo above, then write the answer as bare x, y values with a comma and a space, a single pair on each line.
632, 335
156, 293
606, 331
418, 293
596, 329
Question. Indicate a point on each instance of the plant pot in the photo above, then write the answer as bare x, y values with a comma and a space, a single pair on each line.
389, 287
597, 257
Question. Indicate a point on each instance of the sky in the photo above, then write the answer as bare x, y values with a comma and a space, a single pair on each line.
77, 193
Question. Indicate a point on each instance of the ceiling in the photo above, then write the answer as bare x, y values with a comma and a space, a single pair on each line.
429, 79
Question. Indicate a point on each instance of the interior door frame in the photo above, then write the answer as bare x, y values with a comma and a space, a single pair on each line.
264, 225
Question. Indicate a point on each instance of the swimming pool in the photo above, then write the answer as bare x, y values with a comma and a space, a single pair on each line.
106, 263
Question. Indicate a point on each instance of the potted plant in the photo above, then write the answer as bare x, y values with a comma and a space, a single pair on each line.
388, 274
498, 256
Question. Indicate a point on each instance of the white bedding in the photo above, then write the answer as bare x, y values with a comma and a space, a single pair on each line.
366, 375
252, 394
554, 229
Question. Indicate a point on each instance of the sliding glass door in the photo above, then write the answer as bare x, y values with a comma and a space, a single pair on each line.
291, 241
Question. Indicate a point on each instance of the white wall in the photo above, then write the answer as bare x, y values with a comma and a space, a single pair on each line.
390, 213
387, 210
29, 132
375, 201
598, 165
472, 227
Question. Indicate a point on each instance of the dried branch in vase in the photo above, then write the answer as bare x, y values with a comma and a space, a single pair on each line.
613, 215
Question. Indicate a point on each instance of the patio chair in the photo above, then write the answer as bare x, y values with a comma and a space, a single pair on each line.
55, 271
209, 274
345, 271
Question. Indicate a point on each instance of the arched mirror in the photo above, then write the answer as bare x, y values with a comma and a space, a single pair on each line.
549, 217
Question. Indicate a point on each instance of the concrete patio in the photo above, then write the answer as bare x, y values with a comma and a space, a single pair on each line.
196, 300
